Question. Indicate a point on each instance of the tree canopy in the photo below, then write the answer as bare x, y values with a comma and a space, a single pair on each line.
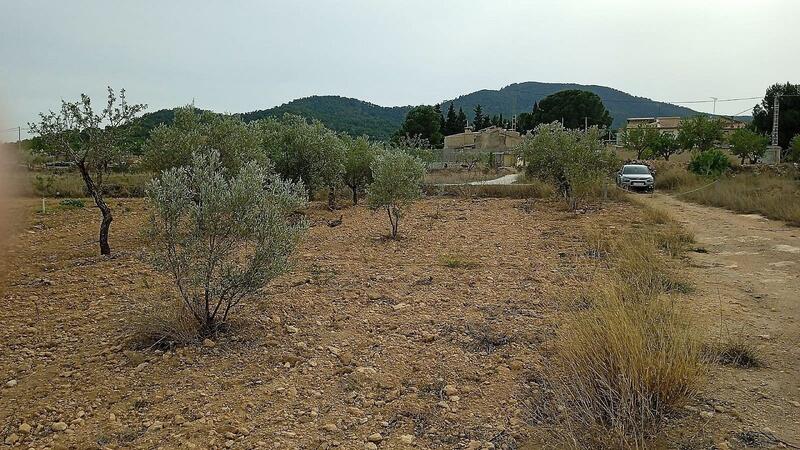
423, 121
747, 144
194, 130
303, 150
789, 114
574, 107
700, 131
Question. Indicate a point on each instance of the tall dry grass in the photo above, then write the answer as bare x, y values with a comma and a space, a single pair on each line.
622, 364
772, 194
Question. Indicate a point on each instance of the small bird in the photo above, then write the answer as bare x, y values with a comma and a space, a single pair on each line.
335, 223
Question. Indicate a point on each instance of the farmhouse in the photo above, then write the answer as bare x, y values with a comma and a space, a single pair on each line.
470, 145
672, 125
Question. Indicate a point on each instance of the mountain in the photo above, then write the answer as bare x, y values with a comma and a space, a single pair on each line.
519, 97
349, 115
357, 117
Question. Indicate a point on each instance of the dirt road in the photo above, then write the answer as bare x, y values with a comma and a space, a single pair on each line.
748, 283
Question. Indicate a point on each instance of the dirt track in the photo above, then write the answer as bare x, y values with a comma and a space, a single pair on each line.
748, 282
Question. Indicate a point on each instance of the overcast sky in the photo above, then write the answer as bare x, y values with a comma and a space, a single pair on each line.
238, 56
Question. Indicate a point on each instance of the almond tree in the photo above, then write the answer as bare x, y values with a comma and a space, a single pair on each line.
93, 141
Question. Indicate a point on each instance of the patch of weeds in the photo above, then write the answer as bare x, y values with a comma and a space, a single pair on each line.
321, 274
457, 262
71, 203
755, 438
485, 339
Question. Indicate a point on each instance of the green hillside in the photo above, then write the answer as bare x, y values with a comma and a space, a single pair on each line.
519, 97
349, 115
357, 117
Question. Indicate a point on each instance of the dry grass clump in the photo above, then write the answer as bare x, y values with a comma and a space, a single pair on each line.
640, 271
622, 366
164, 324
773, 194
631, 356
737, 351
674, 239
657, 215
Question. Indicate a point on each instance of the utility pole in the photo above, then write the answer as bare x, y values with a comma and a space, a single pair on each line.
585, 123
775, 120
715, 104
19, 142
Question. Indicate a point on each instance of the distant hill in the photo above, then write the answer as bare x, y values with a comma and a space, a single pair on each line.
519, 97
357, 117
349, 115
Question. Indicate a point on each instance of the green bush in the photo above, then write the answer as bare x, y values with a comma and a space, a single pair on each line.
709, 163
72, 203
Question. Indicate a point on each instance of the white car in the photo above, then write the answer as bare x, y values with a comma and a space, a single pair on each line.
635, 176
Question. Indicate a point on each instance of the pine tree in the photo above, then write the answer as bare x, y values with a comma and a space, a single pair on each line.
438, 108
479, 119
451, 123
461, 121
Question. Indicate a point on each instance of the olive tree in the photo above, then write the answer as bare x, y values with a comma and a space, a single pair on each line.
306, 151
93, 141
192, 129
574, 160
358, 155
397, 177
222, 238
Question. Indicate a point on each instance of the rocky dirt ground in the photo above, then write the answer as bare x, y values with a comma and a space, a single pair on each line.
367, 343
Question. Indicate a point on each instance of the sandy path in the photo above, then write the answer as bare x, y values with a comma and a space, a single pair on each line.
748, 282
505, 179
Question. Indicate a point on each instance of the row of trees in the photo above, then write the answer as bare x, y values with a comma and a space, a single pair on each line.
225, 206
290, 146
700, 132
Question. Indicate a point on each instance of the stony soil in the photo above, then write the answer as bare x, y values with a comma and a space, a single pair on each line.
367, 343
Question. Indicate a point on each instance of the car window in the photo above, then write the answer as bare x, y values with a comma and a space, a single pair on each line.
635, 170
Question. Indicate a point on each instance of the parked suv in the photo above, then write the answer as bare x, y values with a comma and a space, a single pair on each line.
635, 176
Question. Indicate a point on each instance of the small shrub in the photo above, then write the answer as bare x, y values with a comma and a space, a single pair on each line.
72, 203
712, 162
222, 239
397, 177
